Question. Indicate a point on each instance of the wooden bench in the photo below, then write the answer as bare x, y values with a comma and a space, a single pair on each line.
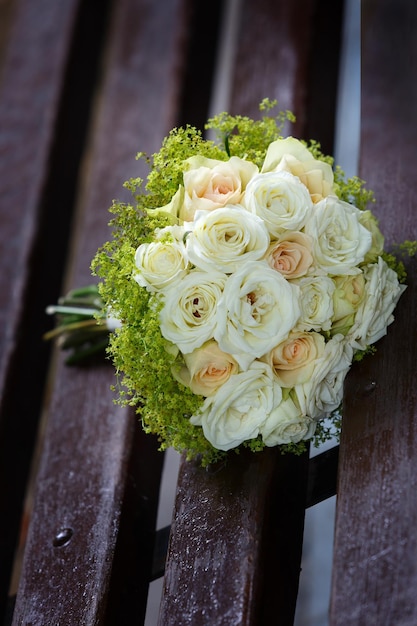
86, 85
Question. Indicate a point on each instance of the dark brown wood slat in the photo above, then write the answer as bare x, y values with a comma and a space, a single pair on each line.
305, 83
232, 527
272, 59
32, 81
85, 465
375, 563
219, 570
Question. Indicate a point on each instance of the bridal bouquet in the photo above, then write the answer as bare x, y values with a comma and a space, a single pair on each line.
246, 275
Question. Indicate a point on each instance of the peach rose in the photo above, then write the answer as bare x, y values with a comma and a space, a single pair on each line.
291, 256
206, 369
210, 184
292, 361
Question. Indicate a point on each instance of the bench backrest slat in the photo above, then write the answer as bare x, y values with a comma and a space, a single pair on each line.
375, 563
32, 82
85, 467
93, 84
234, 554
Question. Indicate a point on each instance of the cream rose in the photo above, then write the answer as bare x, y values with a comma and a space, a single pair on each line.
292, 361
210, 184
239, 408
172, 209
323, 393
292, 156
258, 308
316, 302
340, 240
189, 315
206, 369
348, 294
161, 263
290, 255
375, 312
286, 424
369, 221
280, 199
225, 238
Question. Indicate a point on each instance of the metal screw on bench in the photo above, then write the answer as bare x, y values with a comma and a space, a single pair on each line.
369, 387
62, 537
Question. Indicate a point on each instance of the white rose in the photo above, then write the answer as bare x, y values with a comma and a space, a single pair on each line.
323, 393
348, 294
375, 312
210, 184
280, 199
163, 262
189, 315
206, 369
340, 240
258, 308
225, 238
368, 219
292, 361
292, 156
287, 424
316, 303
290, 255
239, 408
170, 210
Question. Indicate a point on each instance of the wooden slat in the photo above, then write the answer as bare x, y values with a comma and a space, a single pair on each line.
235, 541
235, 548
290, 51
375, 566
35, 53
85, 467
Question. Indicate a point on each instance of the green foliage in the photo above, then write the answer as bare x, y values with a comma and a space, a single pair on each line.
352, 190
401, 252
246, 138
395, 264
408, 248
361, 354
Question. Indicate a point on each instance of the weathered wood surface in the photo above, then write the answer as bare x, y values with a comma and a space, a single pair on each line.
31, 237
375, 565
75, 541
235, 548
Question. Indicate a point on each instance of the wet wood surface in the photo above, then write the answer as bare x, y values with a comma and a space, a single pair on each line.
94, 464
30, 106
235, 549
99, 86
375, 565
